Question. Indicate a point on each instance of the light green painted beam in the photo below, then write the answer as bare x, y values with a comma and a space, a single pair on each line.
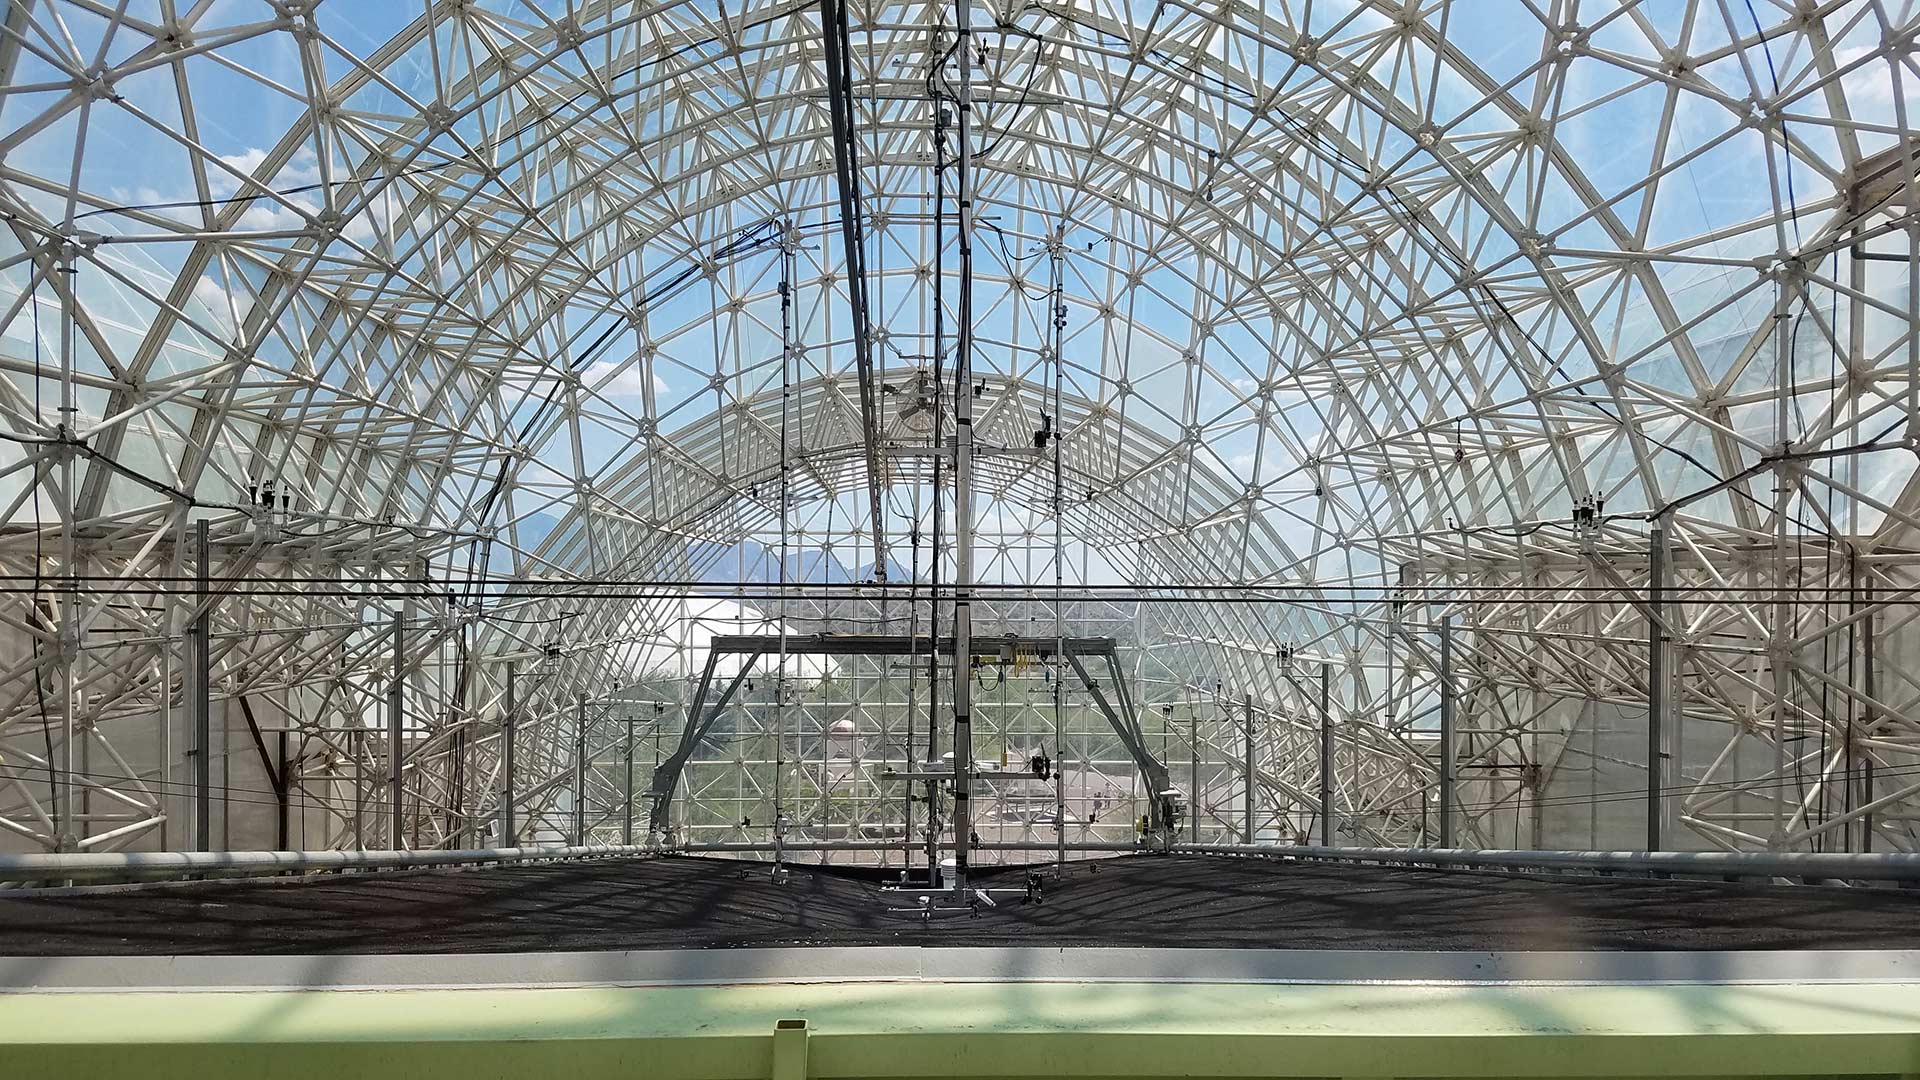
971, 1030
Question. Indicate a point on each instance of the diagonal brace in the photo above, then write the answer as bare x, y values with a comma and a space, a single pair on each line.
1154, 773
700, 721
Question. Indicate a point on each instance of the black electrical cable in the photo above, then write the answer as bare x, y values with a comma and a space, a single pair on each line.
1013, 264
1786, 143
39, 553
256, 196
1033, 79
939, 423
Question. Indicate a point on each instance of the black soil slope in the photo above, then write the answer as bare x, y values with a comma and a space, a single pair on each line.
1147, 900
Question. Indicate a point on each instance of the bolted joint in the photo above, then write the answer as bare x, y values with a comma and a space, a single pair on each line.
64, 648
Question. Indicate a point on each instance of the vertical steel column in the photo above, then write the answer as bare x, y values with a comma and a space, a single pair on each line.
856, 285
67, 623
580, 770
963, 464
1868, 715
839, 71
509, 832
1326, 758
1656, 674
937, 489
199, 704
1779, 646
1446, 731
283, 834
626, 821
1589, 715
359, 741
1059, 734
1859, 834
1913, 329
913, 688
226, 779
462, 820
1247, 837
163, 735
1537, 814
396, 754
172, 743
1057, 264
1193, 797
225, 755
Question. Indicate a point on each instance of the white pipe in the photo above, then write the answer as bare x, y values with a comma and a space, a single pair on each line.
1875, 866
162, 864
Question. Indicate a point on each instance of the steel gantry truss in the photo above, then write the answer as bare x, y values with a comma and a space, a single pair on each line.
399, 399
1116, 706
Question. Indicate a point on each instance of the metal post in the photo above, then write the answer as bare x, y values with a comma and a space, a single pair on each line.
163, 733
457, 820
462, 816
626, 822
580, 771
1058, 253
1446, 731
913, 688
788, 259
1059, 743
1656, 674
963, 463
1913, 331
283, 834
1857, 710
359, 741
1248, 836
934, 438
226, 781
509, 832
1326, 759
396, 754
199, 704
68, 622
1781, 631
1193, 782
913, 691
1869, 715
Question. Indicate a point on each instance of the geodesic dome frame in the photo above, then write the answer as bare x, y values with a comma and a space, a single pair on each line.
474, 318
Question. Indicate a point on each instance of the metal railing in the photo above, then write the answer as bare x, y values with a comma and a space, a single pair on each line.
1809, 866
1802, 865
89, 867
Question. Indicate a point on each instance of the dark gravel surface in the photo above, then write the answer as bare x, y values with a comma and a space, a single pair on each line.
1147, 900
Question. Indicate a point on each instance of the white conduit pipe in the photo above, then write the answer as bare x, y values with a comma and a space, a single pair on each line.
95, 866
1826, 866
148, 865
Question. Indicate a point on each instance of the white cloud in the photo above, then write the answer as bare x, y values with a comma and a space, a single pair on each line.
602, 378
213, 309
302, 169
246, 161
266, 216
1869, 88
